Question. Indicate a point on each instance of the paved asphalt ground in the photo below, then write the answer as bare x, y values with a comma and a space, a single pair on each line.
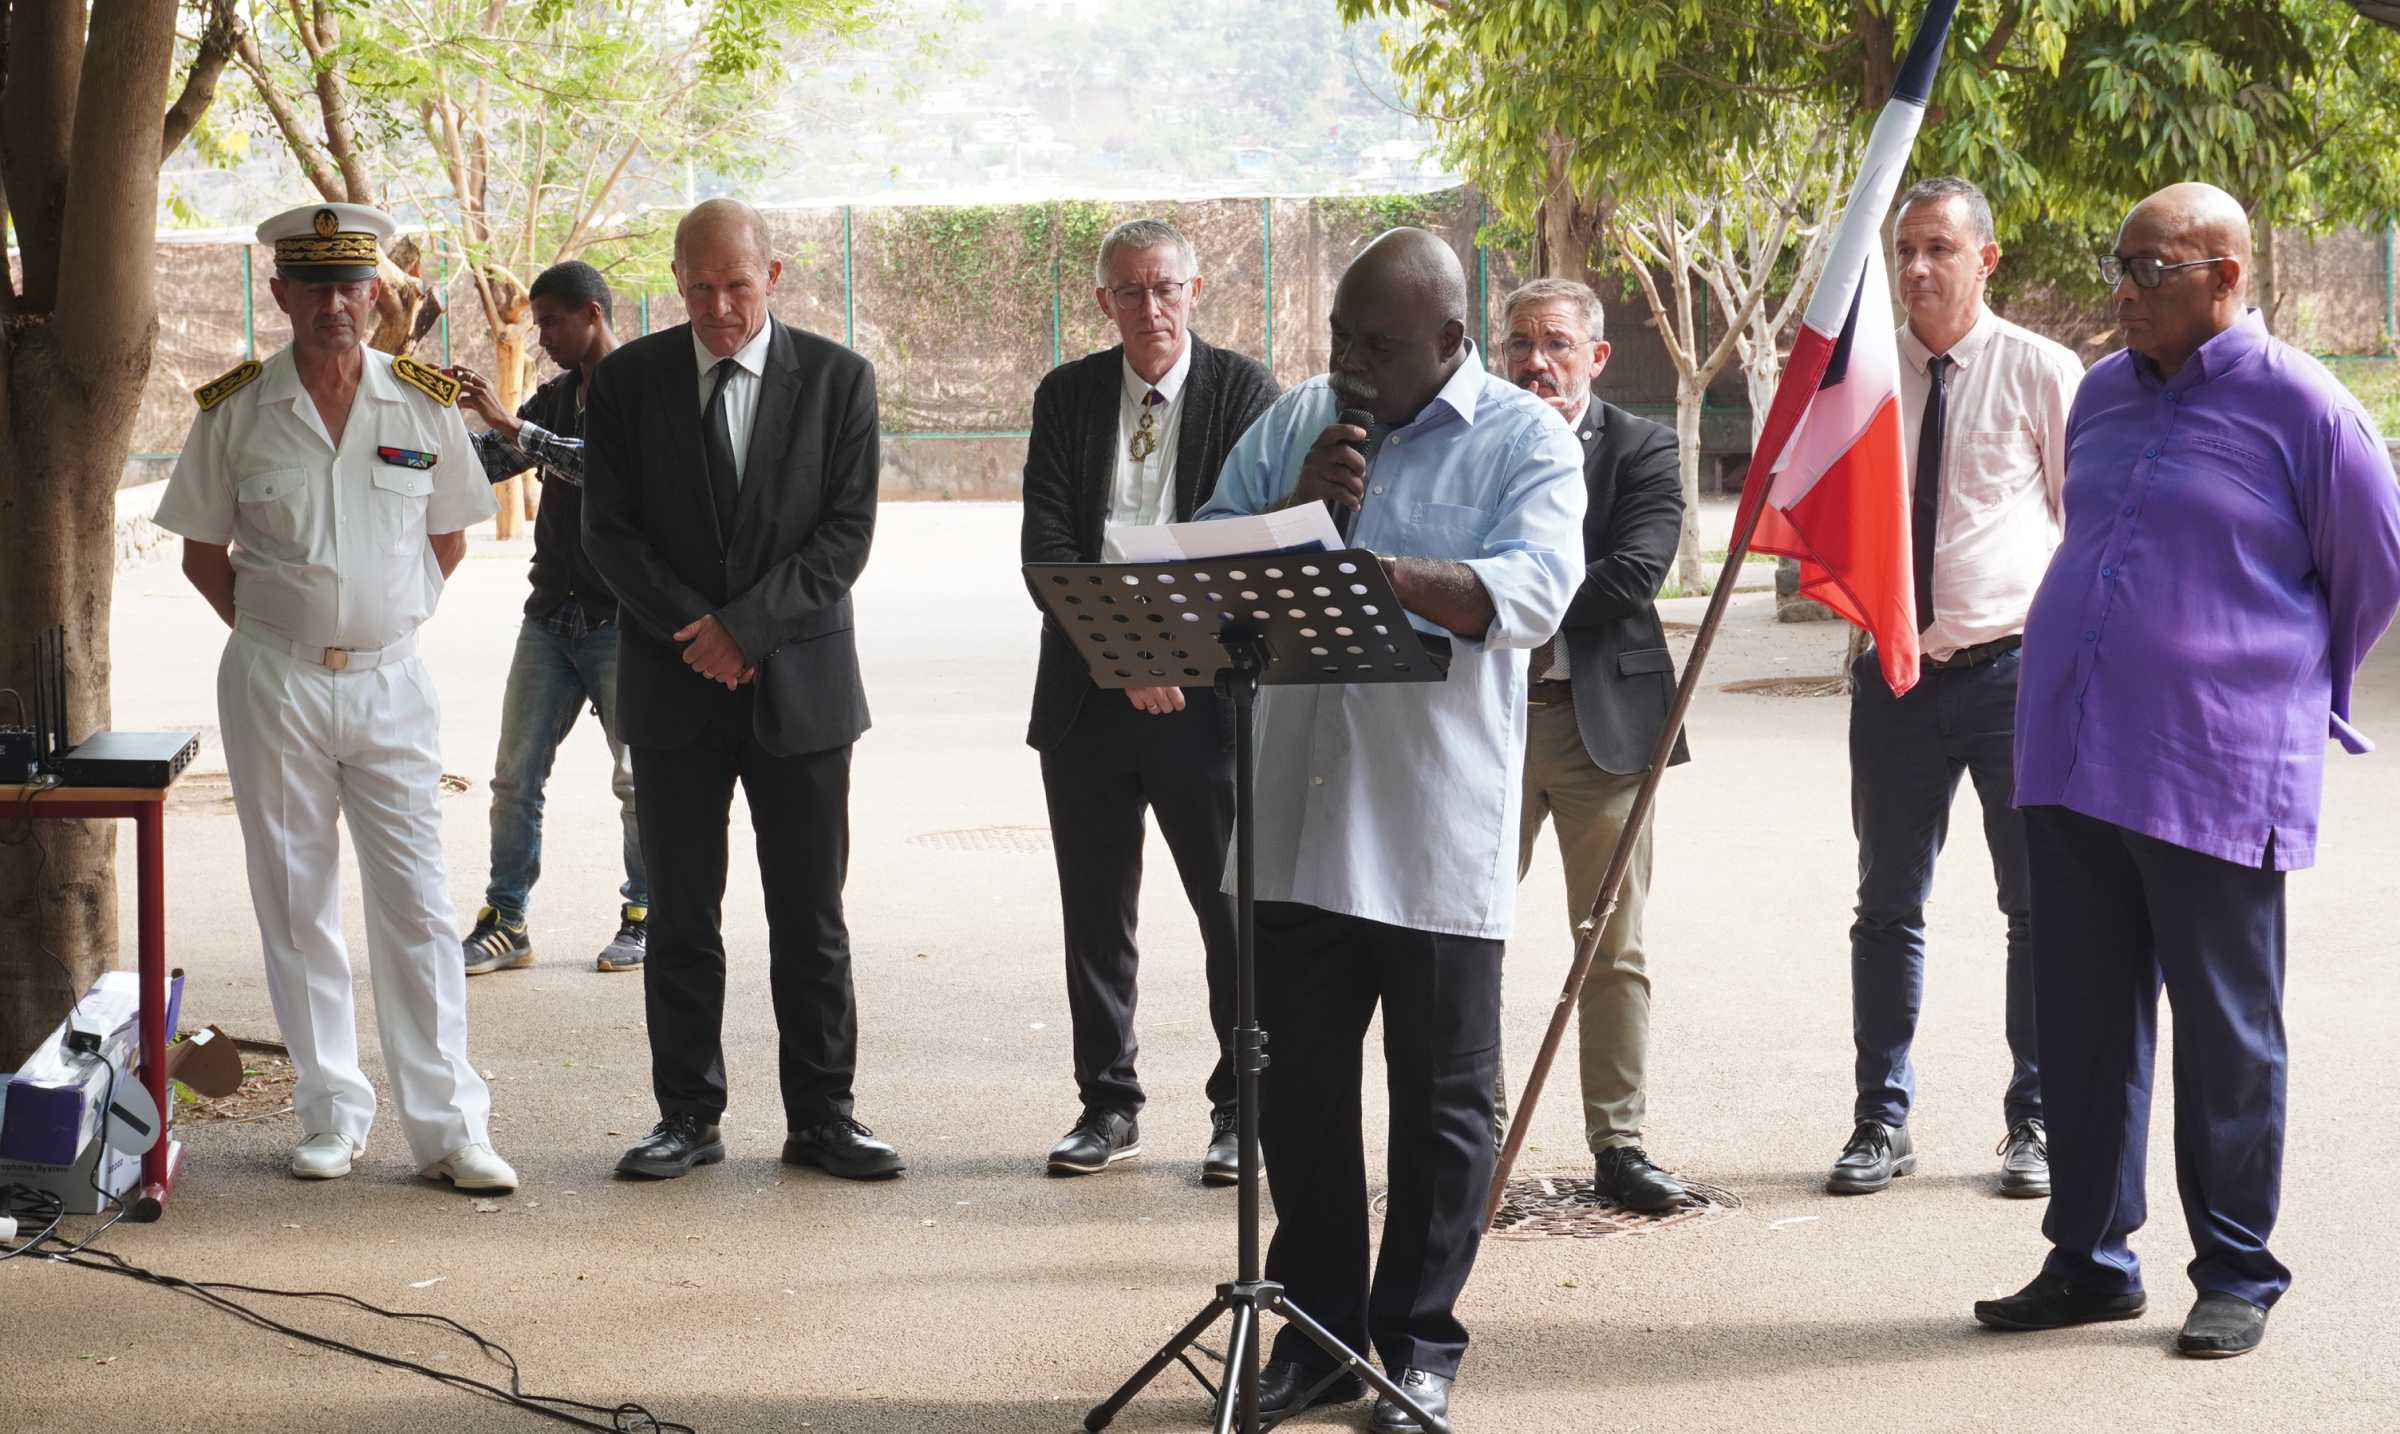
976, 1295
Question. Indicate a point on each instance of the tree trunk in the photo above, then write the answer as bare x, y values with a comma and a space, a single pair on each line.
80, 132
508, 313
2264, 290
63, 443
1689, 574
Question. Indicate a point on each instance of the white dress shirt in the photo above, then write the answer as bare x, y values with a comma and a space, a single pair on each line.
741, 399
1586, 424
2004, 460
328, 540
1144, 489
1399, 803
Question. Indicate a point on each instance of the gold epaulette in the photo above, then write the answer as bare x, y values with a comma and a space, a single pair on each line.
227, 384
427, 380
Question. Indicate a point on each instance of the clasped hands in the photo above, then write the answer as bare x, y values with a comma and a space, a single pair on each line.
711, 651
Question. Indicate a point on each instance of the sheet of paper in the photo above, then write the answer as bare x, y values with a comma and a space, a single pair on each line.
1306, 528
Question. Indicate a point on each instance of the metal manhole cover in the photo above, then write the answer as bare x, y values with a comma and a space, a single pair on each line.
1018, 841
1544, 1206
1790, 687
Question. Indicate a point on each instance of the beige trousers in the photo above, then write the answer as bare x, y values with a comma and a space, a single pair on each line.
1590, 807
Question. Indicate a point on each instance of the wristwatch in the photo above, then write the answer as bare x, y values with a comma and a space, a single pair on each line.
1391, 567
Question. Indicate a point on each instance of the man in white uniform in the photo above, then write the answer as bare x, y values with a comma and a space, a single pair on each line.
323, 497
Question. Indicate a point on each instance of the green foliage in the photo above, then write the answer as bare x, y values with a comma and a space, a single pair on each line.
2376, 381
2064, 110
530, 131
1374, 213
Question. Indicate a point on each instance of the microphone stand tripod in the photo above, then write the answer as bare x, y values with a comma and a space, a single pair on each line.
1248, 1295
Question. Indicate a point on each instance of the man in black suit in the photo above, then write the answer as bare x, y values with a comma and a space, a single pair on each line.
730, 485
1133, 434
1600, 693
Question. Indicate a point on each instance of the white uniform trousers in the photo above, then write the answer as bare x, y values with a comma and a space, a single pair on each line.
304, 745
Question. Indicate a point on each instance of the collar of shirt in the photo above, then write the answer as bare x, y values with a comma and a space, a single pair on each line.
1170, 383
1458, 395
279, 382
2213, 359
751, 357
1916, 354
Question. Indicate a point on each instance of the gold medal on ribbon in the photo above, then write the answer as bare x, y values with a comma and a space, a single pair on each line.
1144, 441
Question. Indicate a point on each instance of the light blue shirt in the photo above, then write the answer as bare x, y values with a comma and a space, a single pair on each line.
1398, 802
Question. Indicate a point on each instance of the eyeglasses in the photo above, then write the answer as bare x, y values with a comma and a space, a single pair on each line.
1130, 296
1557, 346
2147, 272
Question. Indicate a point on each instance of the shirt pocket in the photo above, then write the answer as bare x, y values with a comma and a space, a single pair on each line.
1995, 469
273, 513
397, 506
1447, 530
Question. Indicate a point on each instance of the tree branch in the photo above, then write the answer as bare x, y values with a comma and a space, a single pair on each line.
105, 258
37, 119
310, 155
333, 101
200, 86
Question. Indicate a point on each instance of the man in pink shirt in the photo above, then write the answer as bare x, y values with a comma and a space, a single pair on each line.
1984, 406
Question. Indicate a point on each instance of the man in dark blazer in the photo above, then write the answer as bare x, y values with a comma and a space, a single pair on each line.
730, 485
1134, 434
1600, 692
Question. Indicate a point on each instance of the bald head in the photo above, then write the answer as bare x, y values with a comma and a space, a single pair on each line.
2201, 236
1399, 324
716, 224
726, 270
1416, 267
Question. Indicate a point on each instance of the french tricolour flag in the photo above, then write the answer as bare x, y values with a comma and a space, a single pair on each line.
1828, 477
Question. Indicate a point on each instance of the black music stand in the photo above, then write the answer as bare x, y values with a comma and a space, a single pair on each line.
1268, 618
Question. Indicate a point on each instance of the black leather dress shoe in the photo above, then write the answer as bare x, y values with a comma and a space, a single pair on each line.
1624, 1174
1100, 1139
1283, 1387
1876, 1155
672, 1148
1222, 1165
2221, 1326
2051, 1303
1430, 1391
844, 1148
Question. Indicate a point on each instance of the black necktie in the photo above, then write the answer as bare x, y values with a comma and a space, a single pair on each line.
1925, 504
716, 443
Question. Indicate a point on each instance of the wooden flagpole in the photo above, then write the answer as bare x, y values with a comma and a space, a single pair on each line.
1587, 935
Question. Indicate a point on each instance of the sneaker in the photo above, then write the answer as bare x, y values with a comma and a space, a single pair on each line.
1876, 1154
2025, 1160
626, 950
496, 945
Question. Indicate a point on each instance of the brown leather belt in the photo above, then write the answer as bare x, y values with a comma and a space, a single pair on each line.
1551, 692
1980, 653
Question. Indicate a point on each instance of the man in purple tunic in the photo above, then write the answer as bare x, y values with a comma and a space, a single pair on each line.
2232, 551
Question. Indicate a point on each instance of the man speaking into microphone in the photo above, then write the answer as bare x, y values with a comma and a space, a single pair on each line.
1386, 816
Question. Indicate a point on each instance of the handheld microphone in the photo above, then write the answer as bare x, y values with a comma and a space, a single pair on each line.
1354, 418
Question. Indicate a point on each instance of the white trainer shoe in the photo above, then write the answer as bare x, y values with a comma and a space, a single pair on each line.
474, 1167
322, 1157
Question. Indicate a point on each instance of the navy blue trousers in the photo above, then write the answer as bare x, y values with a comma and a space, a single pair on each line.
1906, 757
2115, 915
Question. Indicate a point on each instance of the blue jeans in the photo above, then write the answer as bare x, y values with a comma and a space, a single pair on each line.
552, 678
1906, 757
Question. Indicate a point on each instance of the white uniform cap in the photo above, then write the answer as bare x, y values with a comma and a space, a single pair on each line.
328, 243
